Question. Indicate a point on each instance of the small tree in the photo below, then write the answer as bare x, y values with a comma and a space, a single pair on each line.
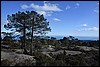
65, 41
8, 38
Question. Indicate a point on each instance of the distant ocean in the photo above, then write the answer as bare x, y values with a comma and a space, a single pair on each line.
79, 37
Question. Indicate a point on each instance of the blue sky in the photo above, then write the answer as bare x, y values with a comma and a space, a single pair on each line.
76, 18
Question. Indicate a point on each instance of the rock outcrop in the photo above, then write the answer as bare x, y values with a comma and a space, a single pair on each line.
16, 59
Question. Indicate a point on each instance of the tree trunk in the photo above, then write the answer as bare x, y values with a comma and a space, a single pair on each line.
31, 47
24, 41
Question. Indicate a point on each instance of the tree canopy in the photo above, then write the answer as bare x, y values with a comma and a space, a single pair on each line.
29, 22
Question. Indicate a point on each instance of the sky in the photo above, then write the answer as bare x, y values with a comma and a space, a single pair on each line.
75, 18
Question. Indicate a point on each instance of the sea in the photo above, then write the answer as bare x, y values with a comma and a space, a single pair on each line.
79, 37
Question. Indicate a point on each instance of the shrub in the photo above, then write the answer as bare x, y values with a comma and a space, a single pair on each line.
26, 62
6, 62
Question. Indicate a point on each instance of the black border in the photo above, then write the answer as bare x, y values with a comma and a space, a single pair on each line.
40, 0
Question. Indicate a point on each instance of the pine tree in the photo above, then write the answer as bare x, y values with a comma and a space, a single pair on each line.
27, 22
38, 25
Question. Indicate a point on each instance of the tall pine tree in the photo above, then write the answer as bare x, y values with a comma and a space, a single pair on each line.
27, 22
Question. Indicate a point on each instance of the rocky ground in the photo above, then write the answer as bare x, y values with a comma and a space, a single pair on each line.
15, 56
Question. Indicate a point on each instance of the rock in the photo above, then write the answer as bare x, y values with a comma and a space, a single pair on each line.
48, 49
67, 52
85, 48
47, 54
18, 59
5, 46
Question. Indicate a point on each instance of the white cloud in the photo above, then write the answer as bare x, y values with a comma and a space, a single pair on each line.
36, 7
96, 11
56, 19
98, 3
24, 6
41, 12
49, 13
90, 29
83, 24
44, 13
77, 5
68, 7
51, 7
47, 9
